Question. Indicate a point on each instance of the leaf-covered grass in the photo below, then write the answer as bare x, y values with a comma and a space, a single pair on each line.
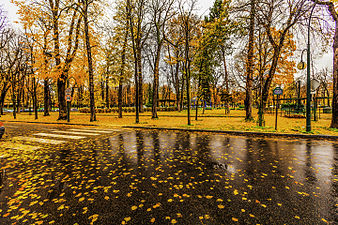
210, 120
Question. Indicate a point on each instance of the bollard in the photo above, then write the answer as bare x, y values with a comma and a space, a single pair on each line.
2, 129
2, 177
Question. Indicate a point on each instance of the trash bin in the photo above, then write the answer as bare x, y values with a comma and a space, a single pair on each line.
2, 129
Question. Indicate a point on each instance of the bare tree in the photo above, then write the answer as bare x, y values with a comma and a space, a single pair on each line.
84, 8
136, 11
161, 11
334, 15
186, 14
3, 20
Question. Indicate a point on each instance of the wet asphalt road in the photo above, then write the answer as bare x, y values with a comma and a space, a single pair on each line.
157, 177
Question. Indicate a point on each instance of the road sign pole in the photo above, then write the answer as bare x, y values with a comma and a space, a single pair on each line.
68, 99
68, 111
277, 91
276, 112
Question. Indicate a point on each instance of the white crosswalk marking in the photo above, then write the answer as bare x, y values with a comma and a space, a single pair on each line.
112, 130
59, 136
73, 132
19, 146
40, 140
92, 131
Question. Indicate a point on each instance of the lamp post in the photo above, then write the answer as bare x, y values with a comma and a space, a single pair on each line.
308, 78
301, 66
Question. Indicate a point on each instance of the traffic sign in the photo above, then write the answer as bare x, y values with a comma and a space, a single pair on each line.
314, 84
68, 98
68, 91
278, 91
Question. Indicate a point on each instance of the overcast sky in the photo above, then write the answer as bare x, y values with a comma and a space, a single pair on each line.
203, 9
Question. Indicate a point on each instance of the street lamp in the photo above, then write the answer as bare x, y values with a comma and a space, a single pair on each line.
301, 65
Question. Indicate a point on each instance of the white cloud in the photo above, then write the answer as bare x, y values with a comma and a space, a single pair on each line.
202, 8
10, 9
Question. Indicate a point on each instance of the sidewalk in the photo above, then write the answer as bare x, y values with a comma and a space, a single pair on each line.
245, 133
212, 122
231, 132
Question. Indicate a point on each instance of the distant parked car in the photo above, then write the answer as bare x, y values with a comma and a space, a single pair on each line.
27, 110
2, 129
8, 110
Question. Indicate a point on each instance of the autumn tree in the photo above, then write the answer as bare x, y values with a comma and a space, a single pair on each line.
286, 15
262, 62
220, 28
249, 76
331, 6
118, 51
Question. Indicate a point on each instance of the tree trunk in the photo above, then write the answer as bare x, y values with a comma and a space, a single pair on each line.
61, 85
46, 97
137, 99
268, 81
90, 66
13, 95
156, 83
196, 108
23, 98
123, 62
136, 46
2, 98
18, 98
187, 66
35, 100
61, 82
140, 78
107, 92
182, 94
203, 107
14, 106
177, 88
103, 89
80, 96
334, 121
226, 81
188, 93
249, 78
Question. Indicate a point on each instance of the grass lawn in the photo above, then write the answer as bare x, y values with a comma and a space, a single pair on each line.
213, 120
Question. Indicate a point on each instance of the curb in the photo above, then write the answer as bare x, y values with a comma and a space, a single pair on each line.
52, 123
243, 133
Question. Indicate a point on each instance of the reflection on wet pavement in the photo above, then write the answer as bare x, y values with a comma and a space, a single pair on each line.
144, 177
